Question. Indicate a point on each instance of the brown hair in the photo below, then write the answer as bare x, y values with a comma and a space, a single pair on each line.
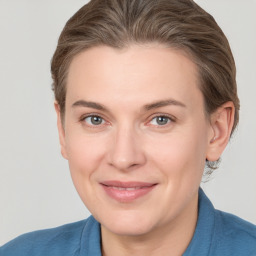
180, 24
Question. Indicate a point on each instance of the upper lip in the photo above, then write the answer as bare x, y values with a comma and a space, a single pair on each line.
127, 184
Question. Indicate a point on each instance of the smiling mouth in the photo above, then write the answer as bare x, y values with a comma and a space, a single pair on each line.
126, 191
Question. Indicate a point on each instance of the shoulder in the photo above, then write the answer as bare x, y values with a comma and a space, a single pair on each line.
234, 234
63, 240
221, 233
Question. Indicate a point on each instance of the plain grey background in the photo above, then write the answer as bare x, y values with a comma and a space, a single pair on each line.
36, 190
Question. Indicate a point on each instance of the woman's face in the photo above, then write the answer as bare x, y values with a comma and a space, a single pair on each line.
135, 136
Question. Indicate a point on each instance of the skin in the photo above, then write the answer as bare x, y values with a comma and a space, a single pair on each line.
129, 143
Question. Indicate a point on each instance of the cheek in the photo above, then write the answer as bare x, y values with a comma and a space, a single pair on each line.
180, 155
84, 157
85, 154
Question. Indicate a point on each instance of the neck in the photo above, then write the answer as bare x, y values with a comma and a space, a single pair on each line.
171, 239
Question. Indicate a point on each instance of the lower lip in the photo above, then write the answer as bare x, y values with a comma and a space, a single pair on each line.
126, 196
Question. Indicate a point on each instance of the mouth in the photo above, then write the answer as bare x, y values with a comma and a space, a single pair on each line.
127, 191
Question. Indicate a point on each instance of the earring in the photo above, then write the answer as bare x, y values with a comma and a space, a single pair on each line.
213, 139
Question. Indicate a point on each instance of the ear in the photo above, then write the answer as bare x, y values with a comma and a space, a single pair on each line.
61, 130
222, 121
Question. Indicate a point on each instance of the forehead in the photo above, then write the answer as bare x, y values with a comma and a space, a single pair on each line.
139, 72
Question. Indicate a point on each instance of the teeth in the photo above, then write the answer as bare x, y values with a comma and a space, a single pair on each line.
128, 189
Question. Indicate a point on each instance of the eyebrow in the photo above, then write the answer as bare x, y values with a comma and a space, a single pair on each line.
89, 104
163, 103
147, 107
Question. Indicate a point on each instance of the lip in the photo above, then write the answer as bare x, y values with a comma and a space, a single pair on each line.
126, 191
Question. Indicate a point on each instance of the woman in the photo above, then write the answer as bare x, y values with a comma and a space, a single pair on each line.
145, 98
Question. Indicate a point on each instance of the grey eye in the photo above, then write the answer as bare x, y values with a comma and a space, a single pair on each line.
160, 120
94, 120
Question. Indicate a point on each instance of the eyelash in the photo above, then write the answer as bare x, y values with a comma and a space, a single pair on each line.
83, 120
170, 120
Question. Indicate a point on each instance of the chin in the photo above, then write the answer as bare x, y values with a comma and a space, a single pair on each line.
128, 224
132, 229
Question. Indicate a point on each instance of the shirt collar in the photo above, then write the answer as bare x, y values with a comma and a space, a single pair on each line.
202, 239
91, 238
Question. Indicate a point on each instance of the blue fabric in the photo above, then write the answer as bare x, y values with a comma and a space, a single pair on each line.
217, 233
221, 234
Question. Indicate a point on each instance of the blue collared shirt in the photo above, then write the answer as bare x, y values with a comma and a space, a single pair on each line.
217, 233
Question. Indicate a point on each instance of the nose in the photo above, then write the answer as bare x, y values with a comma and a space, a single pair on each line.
126, 151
